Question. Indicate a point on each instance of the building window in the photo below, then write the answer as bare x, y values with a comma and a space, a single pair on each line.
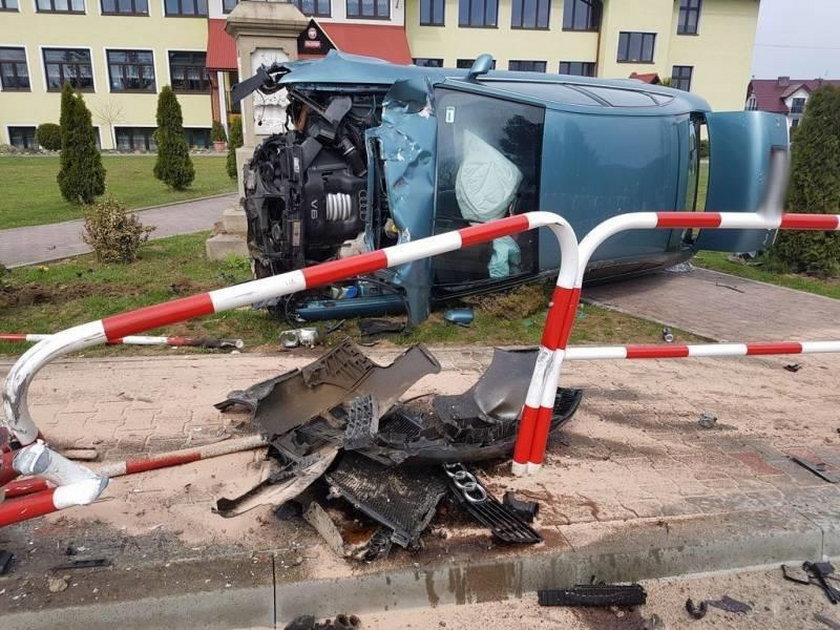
14, 74
186, 8
425, 62
635, 47
131, 70
681, 77
60, 6
794, 124
374, 9
431, 12
23, 137
228, 5
8, 5
752, 103
797, 106
478, 13
467, 64
689, 17
187, 72
198, 138
68, 65
578, 68
529, 14
526, 66
318, 8
125, 7
135, 138
581, 15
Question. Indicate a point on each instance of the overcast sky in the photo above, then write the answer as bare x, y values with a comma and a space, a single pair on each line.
798, 38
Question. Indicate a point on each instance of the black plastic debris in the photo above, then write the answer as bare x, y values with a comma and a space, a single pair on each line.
594, 595
816, 573
308, 622
371, 328
820, 469
86, 563
729, 604
793, 367
402, 498
707, 420
696, 611
501, 520
6, 560
526, 510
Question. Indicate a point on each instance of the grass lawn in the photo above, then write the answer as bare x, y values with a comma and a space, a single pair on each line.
31, 195
718, 261
43, 299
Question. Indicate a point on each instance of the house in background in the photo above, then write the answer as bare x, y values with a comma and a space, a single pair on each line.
783, 96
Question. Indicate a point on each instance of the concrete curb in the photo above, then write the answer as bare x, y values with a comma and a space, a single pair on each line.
619, 551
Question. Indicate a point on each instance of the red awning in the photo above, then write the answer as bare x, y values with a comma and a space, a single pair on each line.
385, 42
221, 49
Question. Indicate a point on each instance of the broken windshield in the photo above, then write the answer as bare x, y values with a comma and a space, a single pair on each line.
488, 168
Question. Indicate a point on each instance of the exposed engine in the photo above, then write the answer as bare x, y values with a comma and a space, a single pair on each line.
307, 191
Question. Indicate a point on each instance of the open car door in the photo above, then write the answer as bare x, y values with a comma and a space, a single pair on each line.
748, 169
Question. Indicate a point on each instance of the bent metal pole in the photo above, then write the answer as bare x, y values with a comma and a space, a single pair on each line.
61, 472
529, 452
141, 340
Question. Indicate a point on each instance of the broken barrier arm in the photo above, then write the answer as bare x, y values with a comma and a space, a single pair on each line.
532, 438
62, 472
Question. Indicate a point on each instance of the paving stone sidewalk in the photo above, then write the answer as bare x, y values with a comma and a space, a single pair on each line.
41, 243
723, 307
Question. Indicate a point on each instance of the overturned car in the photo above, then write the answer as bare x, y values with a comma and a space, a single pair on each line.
377, 154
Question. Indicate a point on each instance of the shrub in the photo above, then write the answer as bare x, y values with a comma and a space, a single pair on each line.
81, 176
217, 133
236, 141
814, 187
49, 136
173, 165
113, 233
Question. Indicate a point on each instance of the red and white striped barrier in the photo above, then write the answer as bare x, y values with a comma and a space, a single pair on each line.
141, 340
535, 421
21, 424
678, 351
34, 496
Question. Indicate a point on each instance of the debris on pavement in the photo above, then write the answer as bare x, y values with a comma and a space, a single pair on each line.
526, 510
594, 595
306, 337
729, 604
308, 622
87, 563
58, 584
371, 328
828, 621
366, 468
793, 367
6, 560
697, 611
667, 335
815, 573
820, 469
707, 420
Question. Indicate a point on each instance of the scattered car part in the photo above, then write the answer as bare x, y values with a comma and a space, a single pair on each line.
503, 522
667, 335
526, 510
818, 468
370, 327
697, 611
828, 621
707, 420
367, 548
231, 507
819, 571
292, 399
306, 337
796, 574
341, 622
729, 604
6, 559
793, 367
80, 563
402, 498
594, 595
459, 316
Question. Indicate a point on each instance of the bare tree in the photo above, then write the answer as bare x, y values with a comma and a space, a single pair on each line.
109, 113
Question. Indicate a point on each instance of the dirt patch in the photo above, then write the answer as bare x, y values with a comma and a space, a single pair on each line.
34, 294
515, 304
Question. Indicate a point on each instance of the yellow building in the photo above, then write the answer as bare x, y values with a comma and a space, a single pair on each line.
702, 45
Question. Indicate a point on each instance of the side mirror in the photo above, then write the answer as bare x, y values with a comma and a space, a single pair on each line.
480, 66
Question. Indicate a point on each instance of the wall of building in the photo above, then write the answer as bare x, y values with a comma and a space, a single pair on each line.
451, 42
97, 32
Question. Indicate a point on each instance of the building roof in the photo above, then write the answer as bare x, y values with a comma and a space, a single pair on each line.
646, 77
221, 49
770, 94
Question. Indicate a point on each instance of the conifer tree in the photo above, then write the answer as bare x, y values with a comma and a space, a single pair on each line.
81, 176
173, 165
